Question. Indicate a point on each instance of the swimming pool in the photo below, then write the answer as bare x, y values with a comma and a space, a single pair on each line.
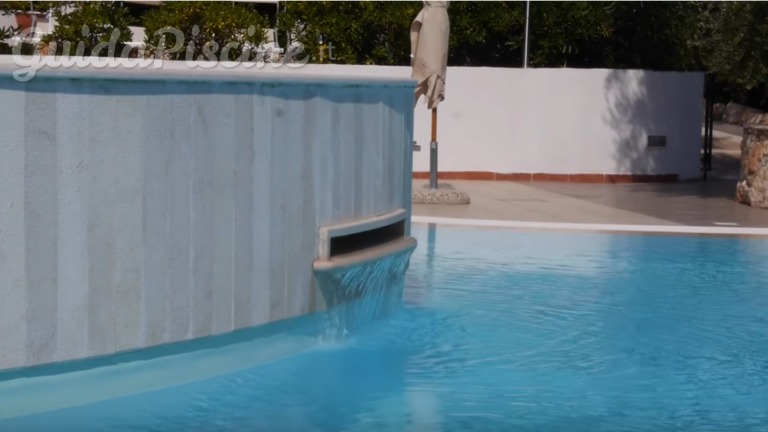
505, 330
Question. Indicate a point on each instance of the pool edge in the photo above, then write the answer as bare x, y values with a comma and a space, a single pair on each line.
596, 227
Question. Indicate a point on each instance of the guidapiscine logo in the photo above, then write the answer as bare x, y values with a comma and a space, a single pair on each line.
234, 54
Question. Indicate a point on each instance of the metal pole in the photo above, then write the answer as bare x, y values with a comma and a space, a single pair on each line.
433, 152
277, 26
525, 49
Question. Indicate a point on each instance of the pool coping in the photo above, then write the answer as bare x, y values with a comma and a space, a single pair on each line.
680, 230
132, 70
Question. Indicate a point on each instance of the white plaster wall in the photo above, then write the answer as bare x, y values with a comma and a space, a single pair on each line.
136, 212
556, 121
44, 23
560, 121
7, 20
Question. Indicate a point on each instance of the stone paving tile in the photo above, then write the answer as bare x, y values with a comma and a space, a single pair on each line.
701, 203
527, 202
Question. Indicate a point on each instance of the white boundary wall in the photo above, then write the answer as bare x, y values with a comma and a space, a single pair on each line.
559, 121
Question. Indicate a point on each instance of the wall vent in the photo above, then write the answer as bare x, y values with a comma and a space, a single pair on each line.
657, 141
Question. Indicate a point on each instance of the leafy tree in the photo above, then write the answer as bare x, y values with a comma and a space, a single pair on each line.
378, 32
729, 39
570, 34
733, 43
365, 32
652, 35
486, 33
209, 30
90, 28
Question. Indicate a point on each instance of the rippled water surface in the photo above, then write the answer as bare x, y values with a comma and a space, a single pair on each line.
510, 331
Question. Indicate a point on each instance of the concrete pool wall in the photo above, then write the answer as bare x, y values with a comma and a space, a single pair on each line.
147, 206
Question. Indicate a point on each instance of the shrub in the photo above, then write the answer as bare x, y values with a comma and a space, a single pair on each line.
100, 26
204, 31
13, 7
20, 7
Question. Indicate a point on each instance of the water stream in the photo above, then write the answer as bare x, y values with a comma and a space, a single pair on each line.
362, 293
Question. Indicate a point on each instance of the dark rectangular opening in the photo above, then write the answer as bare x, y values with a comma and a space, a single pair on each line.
367, 239
657, 141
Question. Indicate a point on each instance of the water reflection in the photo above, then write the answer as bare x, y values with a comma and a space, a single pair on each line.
420, 283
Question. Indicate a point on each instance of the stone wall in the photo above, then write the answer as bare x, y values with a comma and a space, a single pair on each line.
752, 188
736, 114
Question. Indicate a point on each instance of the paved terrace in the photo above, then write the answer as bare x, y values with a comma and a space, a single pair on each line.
696, 203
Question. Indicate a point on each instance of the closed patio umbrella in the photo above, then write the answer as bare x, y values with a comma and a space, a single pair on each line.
429, 50
429, 60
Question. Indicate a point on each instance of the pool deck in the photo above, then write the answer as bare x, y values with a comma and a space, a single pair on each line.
698, 203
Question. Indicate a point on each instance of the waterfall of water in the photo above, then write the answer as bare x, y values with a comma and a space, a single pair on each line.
362, 292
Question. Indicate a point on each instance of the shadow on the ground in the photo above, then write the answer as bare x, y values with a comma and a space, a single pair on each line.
690, 203
712, 188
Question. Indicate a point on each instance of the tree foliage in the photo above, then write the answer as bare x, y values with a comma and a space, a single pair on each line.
209, 30
90, 28
569, 34
733, 43
13, 7
726, 38
10, 8
729, 39
481, 33
377, 32
366, 32
6, 33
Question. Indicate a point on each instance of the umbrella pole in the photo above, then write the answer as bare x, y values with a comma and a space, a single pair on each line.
433, 152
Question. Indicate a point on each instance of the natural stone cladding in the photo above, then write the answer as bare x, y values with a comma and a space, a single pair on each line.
752, 188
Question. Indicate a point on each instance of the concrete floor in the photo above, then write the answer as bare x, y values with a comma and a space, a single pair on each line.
697, 203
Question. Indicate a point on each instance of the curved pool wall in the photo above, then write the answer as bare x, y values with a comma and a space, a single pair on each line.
148, 206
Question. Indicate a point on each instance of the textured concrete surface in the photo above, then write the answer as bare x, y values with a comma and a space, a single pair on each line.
445, 193
141, 212
701, 203
681, 204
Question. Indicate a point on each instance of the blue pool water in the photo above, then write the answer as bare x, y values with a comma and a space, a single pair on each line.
507, 331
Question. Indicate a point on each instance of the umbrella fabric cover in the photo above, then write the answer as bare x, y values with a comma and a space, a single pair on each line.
429, 50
